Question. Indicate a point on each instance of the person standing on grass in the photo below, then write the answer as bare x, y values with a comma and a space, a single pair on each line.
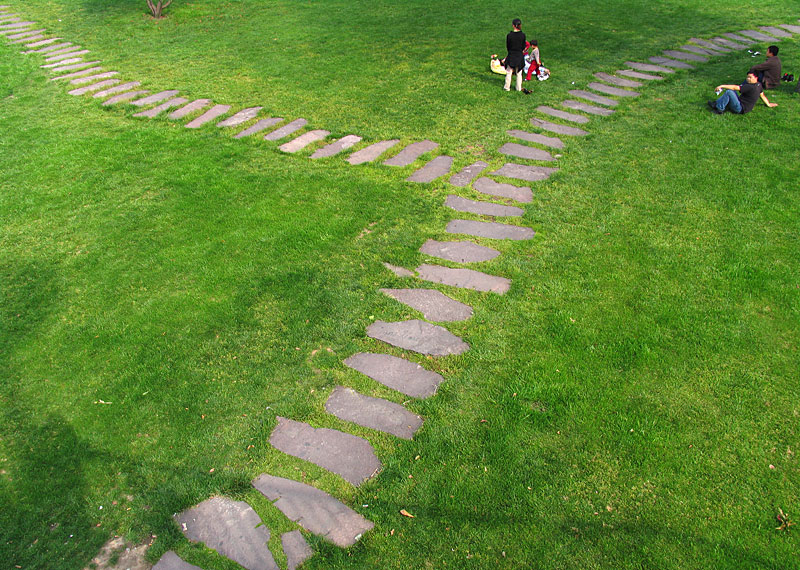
748, 93
515, 60
769, 72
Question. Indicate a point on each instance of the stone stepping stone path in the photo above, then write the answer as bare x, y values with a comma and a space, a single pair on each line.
728, 43
336, 147
757, 36
458, 251
301, 142
791, 28
670, 62
157, 98
118, 89
434, 169
709, 45
682, 55
640, 75
171, 561
777, 32
122, 97
552, 142
648, 67
593, 97
314, 510
524, 172
503, 190
396, 373
418, 336
195, 105
562, 114
42, 42
295, 548
241, 117
609, 90
467, 174
460, 204
372, 152
156, 111
618, 81
208, 116
491, 230
28, 36
286, 130
526, 152
586, 108
464, 278
558, 129
66, 55
93, 87
704, 50
232, 528
63, 51
261, 125
81, 65
349, 456
374, 413
399, 271
411, 153
16, 26
434, 305
90, 78
50, 48
60, 63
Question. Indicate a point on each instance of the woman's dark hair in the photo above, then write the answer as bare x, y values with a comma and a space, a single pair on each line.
516, 22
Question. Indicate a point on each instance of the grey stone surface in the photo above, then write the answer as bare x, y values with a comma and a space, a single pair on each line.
739, 39
165, 106
418, 336
159, 97
92, 78
27, 36
435, 168
524, 172
371, 152
396, 373
558, 129
63, 51
434, 305
336, 147
374, 413
586, 108
314, 510
399, 271
68, 61
49, 48
464, 176
492, 230
347, 455
208, 116
593, 97
777, 32
122, 97
16, 26
484, 208
698, 50
42, 43
640, 75
195, 105
301, 142
491, 188
458, 251
94, 87
240, 117
171, 561
259, 126
670, 62
552, 142
729, 43
64, 56
286, 130
70, 67
792, 28
295, 548
756, 35
526, 152
709, 45
684, 56
117, 89
638, 66
618, 81
609, 90
232, 528
464, 278
81, 73
572, 117
411, 153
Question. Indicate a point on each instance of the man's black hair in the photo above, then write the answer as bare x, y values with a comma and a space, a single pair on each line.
516, 22
773, 49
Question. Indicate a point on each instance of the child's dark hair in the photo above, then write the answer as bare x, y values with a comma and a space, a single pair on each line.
534, 43
516, 22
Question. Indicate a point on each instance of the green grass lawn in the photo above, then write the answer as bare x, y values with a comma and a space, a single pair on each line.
632, 402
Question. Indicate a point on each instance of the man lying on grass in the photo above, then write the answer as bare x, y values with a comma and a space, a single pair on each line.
749, 93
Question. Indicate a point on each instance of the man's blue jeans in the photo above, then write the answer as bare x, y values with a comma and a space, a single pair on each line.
730, 101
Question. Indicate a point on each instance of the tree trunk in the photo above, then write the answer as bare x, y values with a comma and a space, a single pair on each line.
157, 7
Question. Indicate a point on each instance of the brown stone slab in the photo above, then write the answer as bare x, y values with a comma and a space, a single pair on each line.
586, 108
458, 251
558, 129
372, 152
572, 117
62, 62
640, 75
684, 56
93, 78
122, 97
618, 81
314, 510
526, 152
94, 87
729, 43
336, 147
434, 169
739, 39
757, 36
70, 67
259, 126
208, 116
464, 278
240, 117
374, 413
286, 130
792, 28
418, 336
67, 55
301, 142
347, 455
777, 32
155, 111
396, 373
42, 43
609, 90
709, 45
490, 187
117, 89
195, 105
638, 66
524, 172
434, 305
670, 62
467, 174
82, 73
552, 142
491, 230
411, 153
295, 548
49, 48
171, 561
460, 204
159, 97
593, 97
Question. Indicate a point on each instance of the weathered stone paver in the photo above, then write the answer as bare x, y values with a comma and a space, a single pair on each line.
729, 43
58, 64
618, 81
699, 50
709, 45
92, 78
396, 373
240, 117
27, 36
538, 138
82, 73
314, 510
208, 116
42, 42
777, 32
490, 187
70, 67
295, 548
10, 28
609, 90
756, 35
638, 66
399, 271
586, 108
434, 305
195, 105
464, 278
50, 48
640, 75
685, 56
171, 561
156, 98
156, 111
593, 97
122, 97
418, 336
286, 130
526, 152
492, 230
259, 126
558, 129
347, 455
524, 172
562, 114
117, 89
792, 28
411, 153
374, 413
63, 51
372, 152
94, 87
670, 62
64, 56
434, 169
484, 208
458, 251
301, 142
467, 174
232, 528
336, 147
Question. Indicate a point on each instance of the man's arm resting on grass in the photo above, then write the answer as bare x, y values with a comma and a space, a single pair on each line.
766, 101
731, 87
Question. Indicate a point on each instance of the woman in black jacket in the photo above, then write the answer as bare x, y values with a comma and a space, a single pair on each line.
515, 60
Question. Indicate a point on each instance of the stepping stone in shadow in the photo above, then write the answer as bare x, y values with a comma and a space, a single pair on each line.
122, 97
80, 65
670, 62
232, 528
607, 89
491, 230
295, 548
157, 98
241, 117
640, 75
261, 125
42, 43
155, 111
682, 55
418, 336
286, 130
552, 142
434, 169
171, 561
524, 151
195, 105
434, 305
411, 153
586, 108
62, 62
82, 73
792, 28
464, 278
314, 510
777, 32
48, 49
208, 116
740, 39
370, 153
94, 87
558, 129
467, 174
336, 147
92, 78
460, 204
593, 97
64, 56
648, 67
347, 455
728, 43
756, 35
618, 81
490, 187
699, 50
301, 142
118, 89
714, 48
562, 114
399, 271
396, 373
458, 251
524, 172
374, 413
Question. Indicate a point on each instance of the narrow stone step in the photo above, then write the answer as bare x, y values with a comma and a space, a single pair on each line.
42, 43
347, 455
259, 126
372, 152
434, 169
670, 62
740, 39
27, 36
411, 153
463, 177
491, 230
699, 50
593, 97
118, 89
418, 336
232, 528
562, 114
792, 28
729, 43
758, 36
301, 142
50, 48
526, 152
503, 190
458, 251
586, 108
399, 271
709, 45
92, 78
63, 51
684, 56
171, 561
208, 116
524, 172
434, 305
558, 129
618, 81
648, 67
158, 98
241, 117
94, 87
69, 61
295, 548
70, 67
15, 27
314, 510
777, 32
167, 105
464, 278
195, 105
374, 413
286, 130
552, 142
460, 204
64, 56
609, 90
640, 75
396, 373
336, 147
122, 97
81, 73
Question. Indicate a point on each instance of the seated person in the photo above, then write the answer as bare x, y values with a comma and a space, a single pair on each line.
748, 93
769, 72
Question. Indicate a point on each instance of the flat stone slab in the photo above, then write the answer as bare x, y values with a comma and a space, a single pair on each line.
638, 66
301, 142
286, 130
11, 28
167, 105
434, 169
418, 336
347, 455
458, 251
434, 305
161, 96
524, 172
42, 42
740, 39
777, 32
411, 153
699, 50
195, 105
558, 129
295, 548
484, 208
92, 78
682, 55
399, 271
70, 67
729, 43
94, 87
122, 97
240, 117
792, 28
82, 73
171, 561
63, 62
593, 97
464, 278
618, 81
117, 89
314, 510
208, 116
63, 51
464, 176
232, 528
492, 230
526, 152
336, 147
756, 35
562, 114
640, 75
27, 36
374, 413
609, 90
372, 152
552, 142
491, 188
710, 45
67, 55
670, 62
50, 48
396, 373
259, 126
586, 108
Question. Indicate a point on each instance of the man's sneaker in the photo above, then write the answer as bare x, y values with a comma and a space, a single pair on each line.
713, 105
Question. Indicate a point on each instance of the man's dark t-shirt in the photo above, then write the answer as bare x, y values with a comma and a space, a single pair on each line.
748, 96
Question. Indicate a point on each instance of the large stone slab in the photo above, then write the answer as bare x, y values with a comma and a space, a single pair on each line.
167, 105
618, 81
15, 27
411, 153
240, 117
458, 251
374, 413
259, 126
50, 48
685, 56
58, 64
538, 138
526, 152
699, 50
208, 116
399, 271
286, 130
670, 62
122, 97
710, 46
484, 208
92, 78
301, 142
232, 528
195, 105
42, 43
756, 35
739, 39
396, 373
372, 152
640, 75
336, 147
562, 114
463, 177
117, 89
491, 188
492, 230
777, 32
314, 510
434, 169
792, 28
638, 66
558, 129
524, 172
347, 455
295, 548
94, 87
418, 336
729, 43
434, 305
27, 36
464, 278
63, 51
609, 90
70, 67
63, 56
162, 96
586, 108
82, 73
593, 97
171, 561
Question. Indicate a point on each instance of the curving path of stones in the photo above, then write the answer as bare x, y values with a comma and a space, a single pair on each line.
233, 528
